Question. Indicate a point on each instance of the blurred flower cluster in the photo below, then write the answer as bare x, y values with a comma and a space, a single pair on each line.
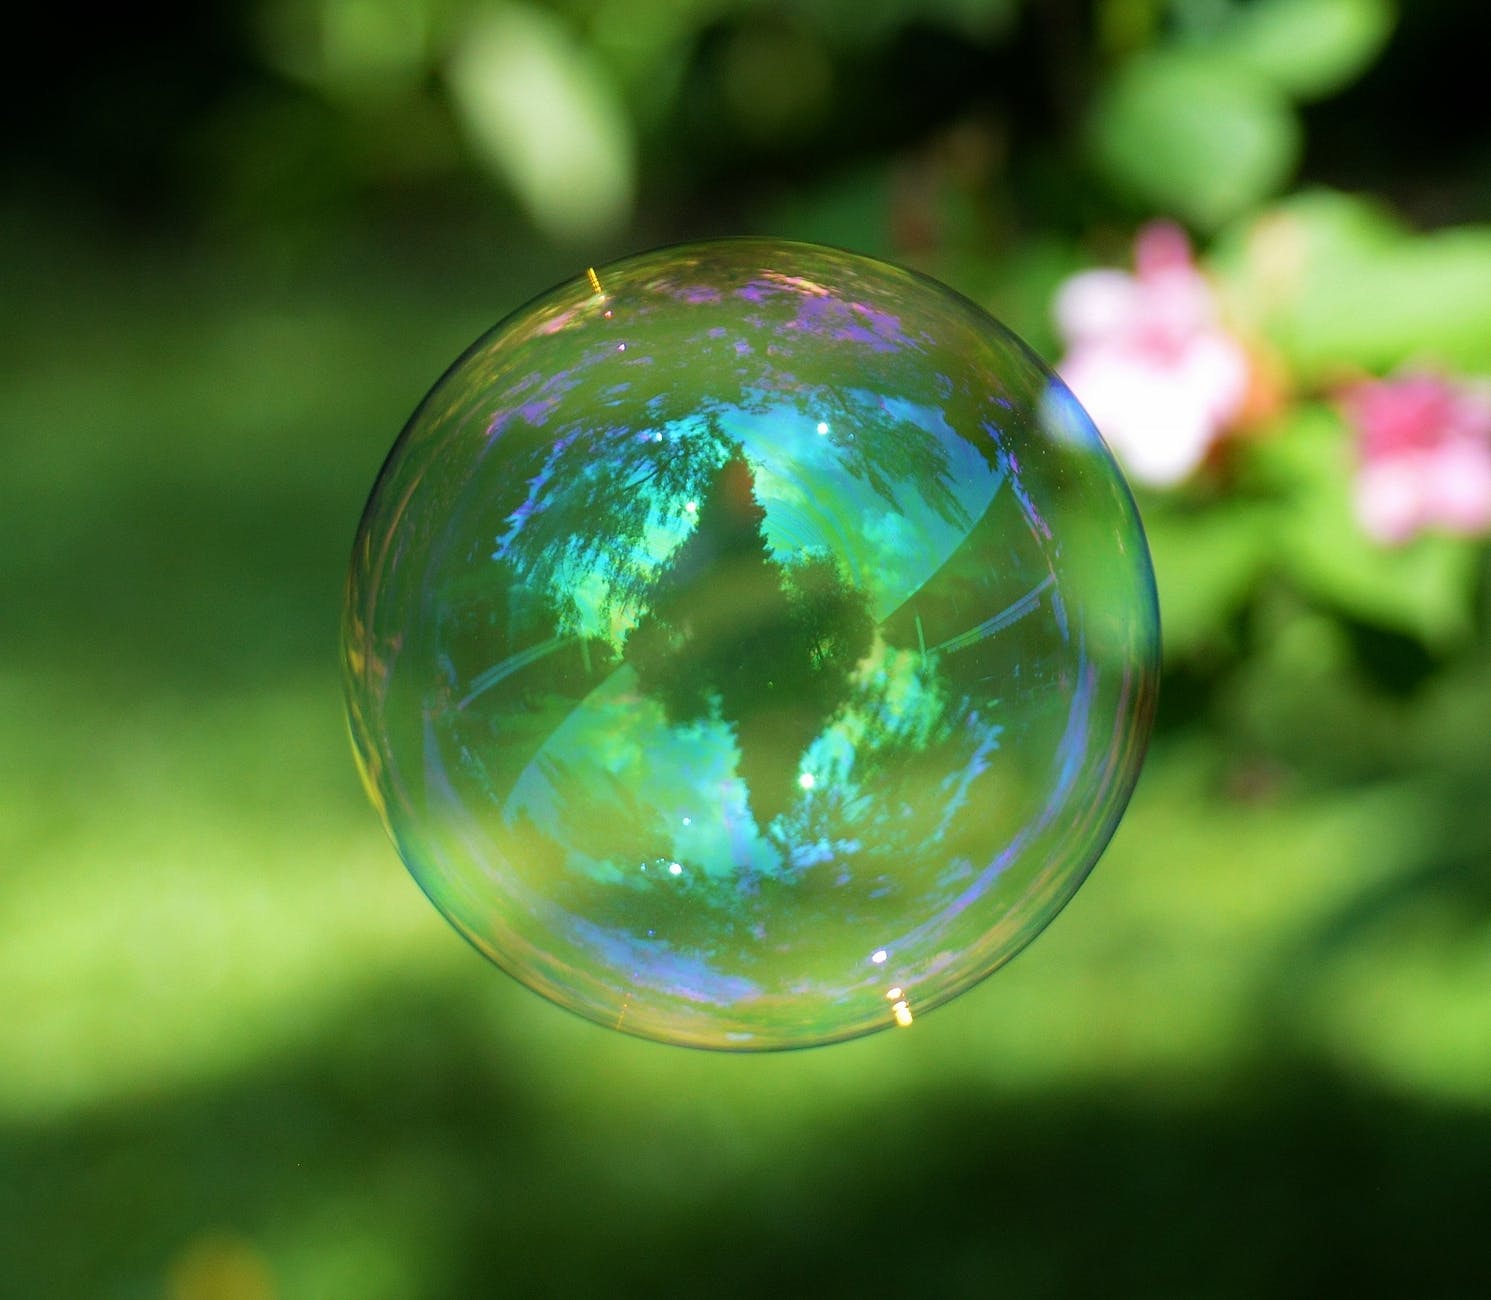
1166, 375
1151, 359
1425, 450
1305, 409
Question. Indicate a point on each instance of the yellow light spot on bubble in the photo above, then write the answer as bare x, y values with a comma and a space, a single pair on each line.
902, 1012
595, 280
894, 994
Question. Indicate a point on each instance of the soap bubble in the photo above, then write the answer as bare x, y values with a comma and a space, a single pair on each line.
750, 645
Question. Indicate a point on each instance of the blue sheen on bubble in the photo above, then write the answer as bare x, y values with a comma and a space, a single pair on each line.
750, 645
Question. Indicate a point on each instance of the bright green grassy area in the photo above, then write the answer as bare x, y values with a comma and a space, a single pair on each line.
239, 1050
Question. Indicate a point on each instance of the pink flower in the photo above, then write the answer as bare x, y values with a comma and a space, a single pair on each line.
1425, 445
1149, 359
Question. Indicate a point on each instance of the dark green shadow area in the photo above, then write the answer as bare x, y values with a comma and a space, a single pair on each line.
411, 1159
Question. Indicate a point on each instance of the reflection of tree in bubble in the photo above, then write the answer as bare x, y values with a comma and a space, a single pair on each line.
632, 529
894, 762
729, 632
590, 507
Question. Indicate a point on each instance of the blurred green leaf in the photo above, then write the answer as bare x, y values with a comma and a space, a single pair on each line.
356, 48
1337, 286
776, 79
1022, 287
1124, 26
1307, 48
1438, 290
1207, 563
852, 23
1194, 135
542, 113
1424, 589
978, 19
850, 210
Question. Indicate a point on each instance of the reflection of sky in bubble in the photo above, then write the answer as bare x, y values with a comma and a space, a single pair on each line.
760, 635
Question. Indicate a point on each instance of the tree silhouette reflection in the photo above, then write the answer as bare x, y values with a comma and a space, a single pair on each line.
733, 634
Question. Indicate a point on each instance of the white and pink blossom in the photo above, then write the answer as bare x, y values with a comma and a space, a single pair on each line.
1150, 360
1424, 447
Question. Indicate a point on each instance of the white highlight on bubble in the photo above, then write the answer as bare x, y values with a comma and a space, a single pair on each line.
807, 781
879, 956
822, 426
900, 1008
675, 869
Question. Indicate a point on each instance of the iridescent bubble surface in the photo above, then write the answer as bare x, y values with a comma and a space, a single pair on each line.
750, 645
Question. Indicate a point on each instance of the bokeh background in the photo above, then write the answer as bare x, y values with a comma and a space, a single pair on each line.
242, 1058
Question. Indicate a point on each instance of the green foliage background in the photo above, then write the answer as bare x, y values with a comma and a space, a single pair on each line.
241, 1057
